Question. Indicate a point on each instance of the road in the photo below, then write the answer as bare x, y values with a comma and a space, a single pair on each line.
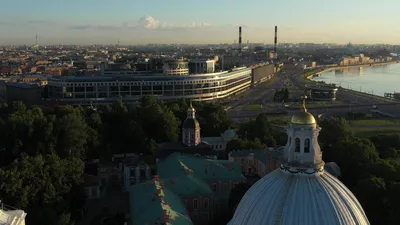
263, 94
393, 109
260, 94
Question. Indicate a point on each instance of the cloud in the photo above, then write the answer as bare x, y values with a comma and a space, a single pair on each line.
145, 22
149, 22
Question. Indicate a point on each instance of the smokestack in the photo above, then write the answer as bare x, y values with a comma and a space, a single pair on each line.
240, 40
275, 42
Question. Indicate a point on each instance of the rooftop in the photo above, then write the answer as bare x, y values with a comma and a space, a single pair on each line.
23, 85
161, 205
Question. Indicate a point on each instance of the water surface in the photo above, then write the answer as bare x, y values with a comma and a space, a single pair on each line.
379, 79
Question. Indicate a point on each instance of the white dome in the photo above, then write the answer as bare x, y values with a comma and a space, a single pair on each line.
300, 192
287, 199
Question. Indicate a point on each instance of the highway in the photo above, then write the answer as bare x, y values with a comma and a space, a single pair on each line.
263, 94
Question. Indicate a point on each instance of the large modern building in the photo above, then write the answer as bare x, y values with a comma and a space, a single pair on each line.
130, 86
195, 79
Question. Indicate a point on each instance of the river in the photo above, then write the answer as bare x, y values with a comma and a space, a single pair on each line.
376, 79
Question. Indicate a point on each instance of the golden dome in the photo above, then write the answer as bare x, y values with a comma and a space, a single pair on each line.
191, 109
303, 117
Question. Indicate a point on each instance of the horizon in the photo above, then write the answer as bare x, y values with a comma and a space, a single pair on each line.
139, 23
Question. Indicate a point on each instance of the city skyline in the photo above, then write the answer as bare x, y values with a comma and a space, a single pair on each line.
142, 22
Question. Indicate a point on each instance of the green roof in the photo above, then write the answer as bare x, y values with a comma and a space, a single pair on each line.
208, 170
194, 173
147, 206
187, 185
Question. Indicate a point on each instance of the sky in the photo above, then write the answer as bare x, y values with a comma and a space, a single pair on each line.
198, 22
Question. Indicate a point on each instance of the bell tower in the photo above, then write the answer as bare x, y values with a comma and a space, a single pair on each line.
302, 149
191, 128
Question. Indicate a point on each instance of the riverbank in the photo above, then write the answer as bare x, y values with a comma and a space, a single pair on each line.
307, 76
352, 66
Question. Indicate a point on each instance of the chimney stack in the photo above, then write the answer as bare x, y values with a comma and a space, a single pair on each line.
275, 42
240, 40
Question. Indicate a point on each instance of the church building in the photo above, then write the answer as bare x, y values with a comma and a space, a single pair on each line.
191, 142
300, 191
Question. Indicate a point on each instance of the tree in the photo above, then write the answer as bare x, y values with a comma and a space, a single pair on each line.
71, 133
236, 195
387, 145
259, 128
333, 130
352, 156
240, 144
371, 193
39, 180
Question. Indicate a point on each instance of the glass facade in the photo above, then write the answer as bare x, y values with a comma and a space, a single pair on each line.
205, 87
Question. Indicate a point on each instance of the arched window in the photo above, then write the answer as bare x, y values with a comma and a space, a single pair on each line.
307, 145
297, 145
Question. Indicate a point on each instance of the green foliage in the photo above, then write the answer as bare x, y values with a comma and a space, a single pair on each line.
281, 95
42, 149
236, 195
369, 167
333, 130
259, 128
239, 144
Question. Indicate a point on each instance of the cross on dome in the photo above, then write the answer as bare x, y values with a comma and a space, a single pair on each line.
304, 98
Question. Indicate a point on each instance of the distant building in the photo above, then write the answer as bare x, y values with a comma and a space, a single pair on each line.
176, 67
323, 93
199, 66
219, 143
252, 162
28, 93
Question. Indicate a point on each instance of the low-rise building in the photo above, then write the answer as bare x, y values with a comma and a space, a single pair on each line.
203, 186
219, 143
91, 185
28, 93
11, 216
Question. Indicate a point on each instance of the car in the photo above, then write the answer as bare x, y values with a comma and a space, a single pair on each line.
374, 106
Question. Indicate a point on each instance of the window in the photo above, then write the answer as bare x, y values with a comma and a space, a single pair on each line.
205, 204
235, 184
307, 145
195, 204
194, 217
297, 145
215, 187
